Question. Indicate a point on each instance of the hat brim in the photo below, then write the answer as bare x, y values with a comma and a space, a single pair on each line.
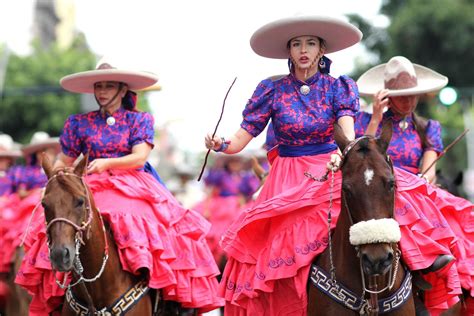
271, 39
428, 80
31, 149
83, 82
11, 154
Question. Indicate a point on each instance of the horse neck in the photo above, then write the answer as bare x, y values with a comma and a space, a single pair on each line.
92, 258
340, 242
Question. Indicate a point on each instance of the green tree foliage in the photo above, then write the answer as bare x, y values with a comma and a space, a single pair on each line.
436, 34
32, 99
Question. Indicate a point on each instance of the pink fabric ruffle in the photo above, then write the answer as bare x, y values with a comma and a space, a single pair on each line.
15, 216
221, 212
151, 230
271, 245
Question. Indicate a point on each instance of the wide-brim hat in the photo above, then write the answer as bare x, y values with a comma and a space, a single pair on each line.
40, 141
401, 77
83, 82
271, 39
7, 147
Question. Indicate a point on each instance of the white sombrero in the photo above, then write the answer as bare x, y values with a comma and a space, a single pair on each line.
400, 77
83, 82
7, 147
40, 141
271, 39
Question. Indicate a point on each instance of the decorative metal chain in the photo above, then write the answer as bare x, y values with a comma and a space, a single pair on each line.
331, 260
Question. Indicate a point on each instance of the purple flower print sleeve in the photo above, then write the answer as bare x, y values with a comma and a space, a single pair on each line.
142, 129
346, 97
433, 134
258, 110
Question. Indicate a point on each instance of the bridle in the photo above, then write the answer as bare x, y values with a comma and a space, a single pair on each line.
371, 306
84, 228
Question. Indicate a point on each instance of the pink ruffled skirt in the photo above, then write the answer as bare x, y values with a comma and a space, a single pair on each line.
151, 230
272, 244
15, 214
221, 212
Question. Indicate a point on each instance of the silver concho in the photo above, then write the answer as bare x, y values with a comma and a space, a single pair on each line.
403, 124
304, 89
110, 121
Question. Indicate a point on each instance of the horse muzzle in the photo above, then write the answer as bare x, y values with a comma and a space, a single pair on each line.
62, 258
376, 264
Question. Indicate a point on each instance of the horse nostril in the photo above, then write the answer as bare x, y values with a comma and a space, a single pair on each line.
388, 260
65, 256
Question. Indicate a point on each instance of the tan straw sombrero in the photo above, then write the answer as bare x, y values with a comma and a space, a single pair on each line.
271, 39
40, 141
400, 77
83, 82
7, 147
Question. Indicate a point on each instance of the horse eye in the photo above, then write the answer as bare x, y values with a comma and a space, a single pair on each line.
347, 189
391, 184
80, 202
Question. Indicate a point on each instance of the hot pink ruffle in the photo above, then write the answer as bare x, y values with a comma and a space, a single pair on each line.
221, 212
271, 245
15, 216
151, 230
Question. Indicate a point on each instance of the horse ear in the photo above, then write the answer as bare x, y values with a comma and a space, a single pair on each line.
384, 140
47, 165
82, 165
341, 140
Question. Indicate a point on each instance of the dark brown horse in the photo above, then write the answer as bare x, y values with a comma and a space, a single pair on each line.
80, 243
360, 271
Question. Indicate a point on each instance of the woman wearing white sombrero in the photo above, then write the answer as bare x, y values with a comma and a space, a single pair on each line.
303, 106
416, 143
118, 139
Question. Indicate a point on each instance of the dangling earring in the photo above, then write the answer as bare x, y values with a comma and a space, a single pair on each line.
322, 63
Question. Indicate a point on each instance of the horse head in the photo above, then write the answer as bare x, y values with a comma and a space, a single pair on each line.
367, 197
68, 213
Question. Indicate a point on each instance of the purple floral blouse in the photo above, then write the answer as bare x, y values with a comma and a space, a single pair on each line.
27, 177
300, 119
5, 183
232, 184
90, 132
270, 139
405, 147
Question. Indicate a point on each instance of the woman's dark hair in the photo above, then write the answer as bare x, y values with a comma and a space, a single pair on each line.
420, 126
129, 101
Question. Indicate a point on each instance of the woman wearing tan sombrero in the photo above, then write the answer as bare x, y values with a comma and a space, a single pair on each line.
416, 142
118, 139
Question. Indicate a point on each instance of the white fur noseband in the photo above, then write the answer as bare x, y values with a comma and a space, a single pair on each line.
384, 230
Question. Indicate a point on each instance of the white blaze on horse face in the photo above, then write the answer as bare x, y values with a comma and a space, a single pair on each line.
368, 176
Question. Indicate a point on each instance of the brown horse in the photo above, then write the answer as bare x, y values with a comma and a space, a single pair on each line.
80, 243
365, 275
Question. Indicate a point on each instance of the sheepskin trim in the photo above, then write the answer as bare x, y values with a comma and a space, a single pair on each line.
384, 230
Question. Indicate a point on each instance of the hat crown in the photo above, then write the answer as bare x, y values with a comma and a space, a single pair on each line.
39, 137
399, 73
6, 142
106, 63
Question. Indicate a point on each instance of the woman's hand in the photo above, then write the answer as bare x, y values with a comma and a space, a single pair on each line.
380, 101
213, 143
334, 163
98, 165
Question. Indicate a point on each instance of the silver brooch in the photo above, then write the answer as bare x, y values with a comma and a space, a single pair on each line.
403, 124
110, 121
304, 89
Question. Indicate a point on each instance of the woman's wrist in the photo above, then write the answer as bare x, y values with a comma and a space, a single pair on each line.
224, 145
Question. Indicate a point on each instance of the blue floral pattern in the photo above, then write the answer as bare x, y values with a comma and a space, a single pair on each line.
300, 119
